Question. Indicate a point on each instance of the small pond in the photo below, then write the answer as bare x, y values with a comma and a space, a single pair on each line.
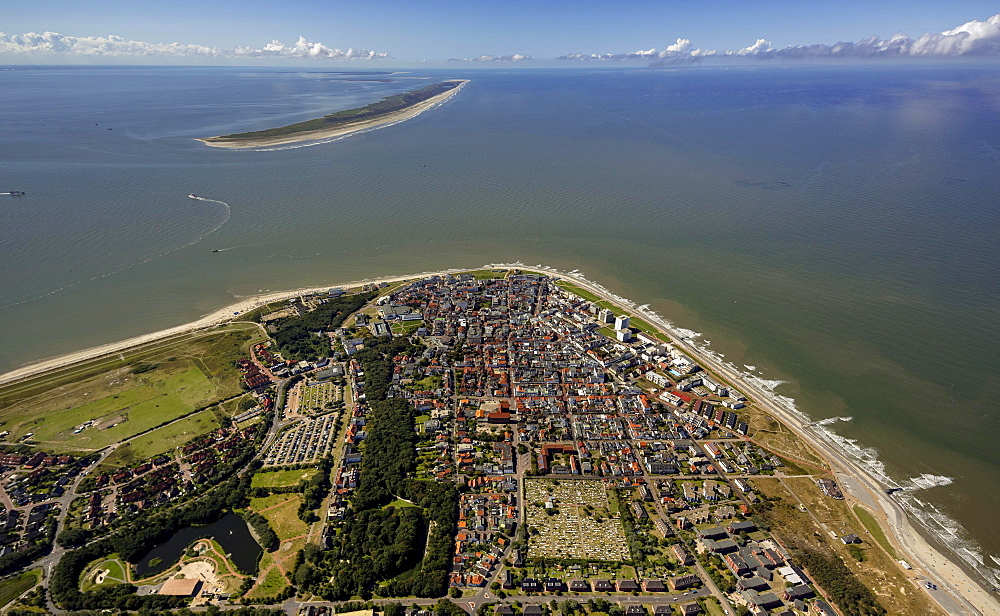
230, 532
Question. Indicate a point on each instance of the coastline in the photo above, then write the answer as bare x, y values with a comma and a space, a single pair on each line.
963, 593
341, 131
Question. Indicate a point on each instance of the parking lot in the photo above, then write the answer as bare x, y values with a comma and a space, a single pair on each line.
308, 441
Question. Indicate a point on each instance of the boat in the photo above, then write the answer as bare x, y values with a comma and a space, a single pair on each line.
216, 250
14, 193
193, 196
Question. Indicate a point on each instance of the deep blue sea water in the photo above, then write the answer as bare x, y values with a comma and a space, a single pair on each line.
835, 228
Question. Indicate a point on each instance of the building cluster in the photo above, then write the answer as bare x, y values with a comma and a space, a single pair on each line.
38, 477
160, 479
516, 361
540, 356
254, 378
766, 579
485, 515
830, 488
20, 528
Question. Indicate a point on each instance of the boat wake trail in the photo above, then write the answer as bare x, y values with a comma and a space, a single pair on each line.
227, 213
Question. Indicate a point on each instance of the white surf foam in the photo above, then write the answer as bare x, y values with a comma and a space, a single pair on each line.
926, 481
831, 420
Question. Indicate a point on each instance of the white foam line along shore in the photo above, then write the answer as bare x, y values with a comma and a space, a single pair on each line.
959, 592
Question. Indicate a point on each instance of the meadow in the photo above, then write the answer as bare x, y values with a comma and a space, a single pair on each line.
111, 399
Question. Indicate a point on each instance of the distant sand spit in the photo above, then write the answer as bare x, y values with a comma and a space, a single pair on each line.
340, 131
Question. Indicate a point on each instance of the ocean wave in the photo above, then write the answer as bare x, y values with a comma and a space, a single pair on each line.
768, 384
926, 481
830, 420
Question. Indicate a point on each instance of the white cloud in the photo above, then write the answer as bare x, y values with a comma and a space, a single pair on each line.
517, 57
306, 49
55, 43
760, 47
680, 49
972, 38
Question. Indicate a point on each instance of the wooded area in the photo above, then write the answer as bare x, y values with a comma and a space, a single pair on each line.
375, 544
297, 337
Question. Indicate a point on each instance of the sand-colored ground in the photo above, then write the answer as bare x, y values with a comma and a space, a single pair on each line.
340, 131
964, 594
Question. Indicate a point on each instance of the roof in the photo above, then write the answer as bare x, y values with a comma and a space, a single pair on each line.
183, 587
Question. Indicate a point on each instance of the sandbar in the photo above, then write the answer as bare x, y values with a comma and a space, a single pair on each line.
338, 131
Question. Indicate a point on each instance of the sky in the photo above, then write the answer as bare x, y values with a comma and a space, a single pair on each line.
536, 32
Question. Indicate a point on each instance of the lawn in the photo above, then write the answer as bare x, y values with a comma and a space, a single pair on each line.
114, 567
273, 583
401, 504
872, 525
186, 373
487, 274
281, 479
282, 513
13, 587
405, 328
162, 440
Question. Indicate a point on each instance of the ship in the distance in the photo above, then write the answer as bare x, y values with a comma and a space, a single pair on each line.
13, 193
193, 196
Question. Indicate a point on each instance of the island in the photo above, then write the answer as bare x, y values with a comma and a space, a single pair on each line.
503, 441
389, 110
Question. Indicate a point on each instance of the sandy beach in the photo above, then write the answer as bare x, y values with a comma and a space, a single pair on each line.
959, 591
340, 131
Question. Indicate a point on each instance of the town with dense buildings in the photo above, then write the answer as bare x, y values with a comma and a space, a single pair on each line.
496, 436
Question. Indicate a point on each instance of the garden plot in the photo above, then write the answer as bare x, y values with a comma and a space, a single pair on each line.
572, 519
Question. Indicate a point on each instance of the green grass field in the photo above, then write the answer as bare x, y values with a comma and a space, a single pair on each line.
402, 504
486, 274
190, 372
284, 518
141, 402
13, 587
162, 440
875, 530
116, 573
281, 479
273, 583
